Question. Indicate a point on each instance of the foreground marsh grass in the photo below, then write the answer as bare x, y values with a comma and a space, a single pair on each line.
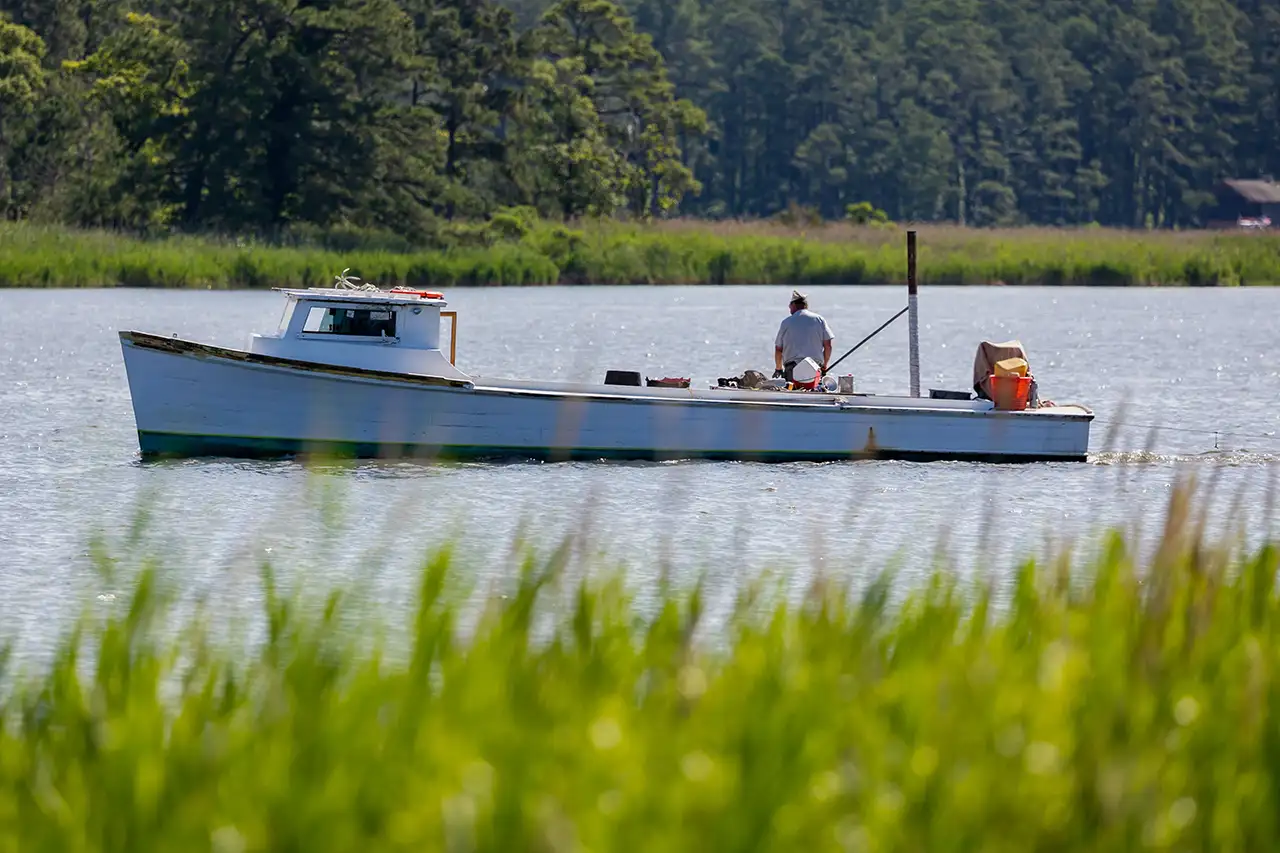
679, 252
1114, 707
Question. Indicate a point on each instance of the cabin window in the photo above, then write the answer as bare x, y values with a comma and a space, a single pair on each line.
285, 317
357, 322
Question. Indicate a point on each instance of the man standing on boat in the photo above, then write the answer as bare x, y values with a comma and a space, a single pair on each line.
802, 335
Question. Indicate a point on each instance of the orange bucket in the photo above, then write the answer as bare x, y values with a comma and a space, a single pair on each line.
1010, 392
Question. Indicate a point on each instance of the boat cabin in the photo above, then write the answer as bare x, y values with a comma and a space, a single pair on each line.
395, 330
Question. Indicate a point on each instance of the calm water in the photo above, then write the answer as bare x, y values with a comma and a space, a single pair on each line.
1189, 361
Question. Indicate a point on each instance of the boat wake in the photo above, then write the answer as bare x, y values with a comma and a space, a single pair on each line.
1210, 458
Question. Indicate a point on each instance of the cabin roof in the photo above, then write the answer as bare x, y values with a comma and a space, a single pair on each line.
1258, 192
373, 297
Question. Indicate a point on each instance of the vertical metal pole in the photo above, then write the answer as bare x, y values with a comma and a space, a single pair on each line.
913, 314
452, 316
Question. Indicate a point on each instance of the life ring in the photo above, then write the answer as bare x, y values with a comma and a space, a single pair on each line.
422, 294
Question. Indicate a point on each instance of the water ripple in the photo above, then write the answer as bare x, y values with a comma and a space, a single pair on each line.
72, 465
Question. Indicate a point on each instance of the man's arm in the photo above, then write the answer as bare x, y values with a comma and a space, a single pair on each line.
777, 358
826, 354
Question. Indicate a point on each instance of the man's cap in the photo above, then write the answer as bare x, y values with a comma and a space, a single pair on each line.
797, 296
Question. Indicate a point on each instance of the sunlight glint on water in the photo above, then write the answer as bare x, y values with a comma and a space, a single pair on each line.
1190, 361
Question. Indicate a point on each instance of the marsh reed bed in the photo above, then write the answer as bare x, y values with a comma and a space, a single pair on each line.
673, 252
1104, 703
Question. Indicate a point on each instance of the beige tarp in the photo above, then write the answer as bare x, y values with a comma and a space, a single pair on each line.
984, 362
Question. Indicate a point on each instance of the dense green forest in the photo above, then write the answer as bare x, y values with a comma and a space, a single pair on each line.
257, 116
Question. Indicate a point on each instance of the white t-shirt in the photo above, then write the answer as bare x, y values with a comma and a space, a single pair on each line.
802, 335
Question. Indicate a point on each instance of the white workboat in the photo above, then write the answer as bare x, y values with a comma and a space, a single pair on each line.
360, 372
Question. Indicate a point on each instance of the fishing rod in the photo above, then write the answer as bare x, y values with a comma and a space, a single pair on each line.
883, 326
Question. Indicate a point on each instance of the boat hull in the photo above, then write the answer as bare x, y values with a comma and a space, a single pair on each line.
195, 400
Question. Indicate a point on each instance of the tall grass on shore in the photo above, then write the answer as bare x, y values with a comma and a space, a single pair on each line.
677, 252
1111, 707
55, 257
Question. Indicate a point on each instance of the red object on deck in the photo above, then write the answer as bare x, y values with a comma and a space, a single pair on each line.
424, 294
1010, 392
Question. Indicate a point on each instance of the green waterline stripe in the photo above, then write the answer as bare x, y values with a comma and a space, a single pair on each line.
166, 444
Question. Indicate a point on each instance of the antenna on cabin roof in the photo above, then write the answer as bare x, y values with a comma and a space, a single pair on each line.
351, 282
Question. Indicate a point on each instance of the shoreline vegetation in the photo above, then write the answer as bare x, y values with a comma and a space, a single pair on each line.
512, 250
1110, 702
404, 114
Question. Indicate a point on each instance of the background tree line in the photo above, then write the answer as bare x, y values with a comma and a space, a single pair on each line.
253, 115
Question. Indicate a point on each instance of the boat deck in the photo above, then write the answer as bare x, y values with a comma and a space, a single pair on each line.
806, 399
